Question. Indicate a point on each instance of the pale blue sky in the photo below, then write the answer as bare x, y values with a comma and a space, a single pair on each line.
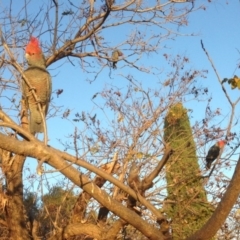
217, 26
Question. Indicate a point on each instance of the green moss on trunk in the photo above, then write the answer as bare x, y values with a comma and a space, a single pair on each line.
186, 204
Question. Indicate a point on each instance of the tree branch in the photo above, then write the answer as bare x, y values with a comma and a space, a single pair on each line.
224, 207
39, 150
147, 182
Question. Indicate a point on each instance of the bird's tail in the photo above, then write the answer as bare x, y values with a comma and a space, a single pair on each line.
208, 166
36, 123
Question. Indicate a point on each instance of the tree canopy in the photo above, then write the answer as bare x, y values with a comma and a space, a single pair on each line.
128, 162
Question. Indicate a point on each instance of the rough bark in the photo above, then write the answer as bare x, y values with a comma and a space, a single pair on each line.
12, 166
14, 209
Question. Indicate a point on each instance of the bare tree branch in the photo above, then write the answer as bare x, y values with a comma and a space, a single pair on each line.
224, 207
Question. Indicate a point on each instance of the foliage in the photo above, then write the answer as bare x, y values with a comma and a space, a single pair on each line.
233, 82
186, 204
55, 210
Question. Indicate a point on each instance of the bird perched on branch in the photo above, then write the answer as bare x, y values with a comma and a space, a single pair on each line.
115, 57
38, 80
213, 152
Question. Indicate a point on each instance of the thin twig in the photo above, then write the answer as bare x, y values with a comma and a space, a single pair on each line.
218, 76
56, 26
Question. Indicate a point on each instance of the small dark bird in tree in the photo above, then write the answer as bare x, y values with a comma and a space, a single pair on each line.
115, 57
213, 152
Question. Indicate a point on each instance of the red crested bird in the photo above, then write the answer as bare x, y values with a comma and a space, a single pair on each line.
115, 57
39, 80
213, 152
34, 55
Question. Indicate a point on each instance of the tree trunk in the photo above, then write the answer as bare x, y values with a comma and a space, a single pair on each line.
14, 209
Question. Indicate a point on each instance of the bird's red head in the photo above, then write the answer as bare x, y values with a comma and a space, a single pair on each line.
221, 143
33, 47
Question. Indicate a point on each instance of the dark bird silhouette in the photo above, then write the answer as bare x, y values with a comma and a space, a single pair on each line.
213, 152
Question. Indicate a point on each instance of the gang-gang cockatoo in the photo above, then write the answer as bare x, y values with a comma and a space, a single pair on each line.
39, 80
213, 152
